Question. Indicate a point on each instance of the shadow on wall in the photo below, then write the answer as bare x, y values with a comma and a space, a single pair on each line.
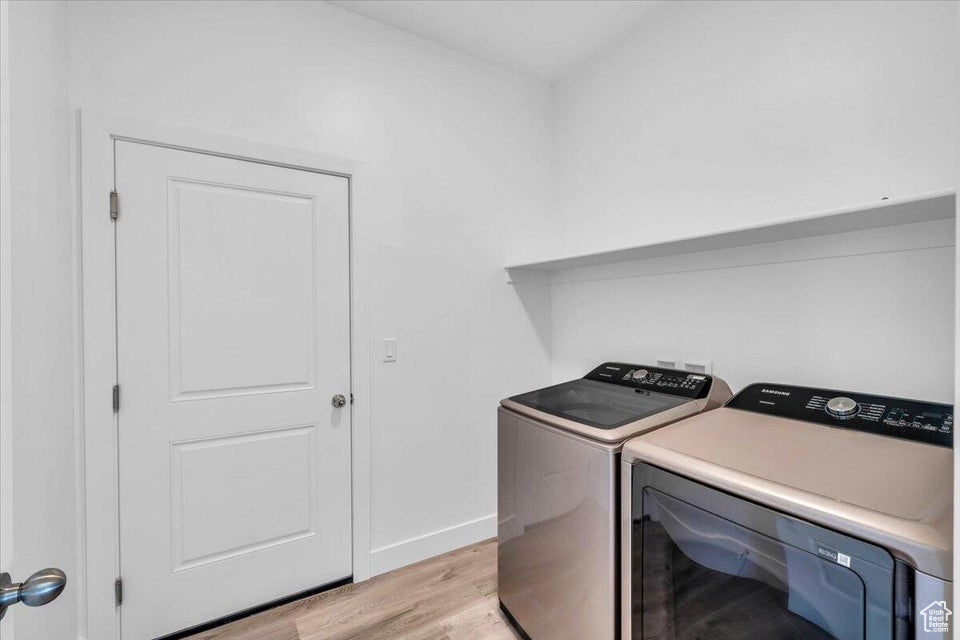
533, 290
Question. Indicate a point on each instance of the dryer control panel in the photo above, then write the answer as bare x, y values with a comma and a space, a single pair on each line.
927, 422
646, 378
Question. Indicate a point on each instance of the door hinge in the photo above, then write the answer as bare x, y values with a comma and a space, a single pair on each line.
116, 398
118, 591
114, 206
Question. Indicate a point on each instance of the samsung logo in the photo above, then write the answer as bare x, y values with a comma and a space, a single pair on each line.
775, 392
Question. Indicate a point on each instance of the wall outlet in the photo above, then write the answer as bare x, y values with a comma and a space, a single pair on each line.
668, 362
698, 365
389, 349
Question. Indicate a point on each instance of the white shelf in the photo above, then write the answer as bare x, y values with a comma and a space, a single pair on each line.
925, 207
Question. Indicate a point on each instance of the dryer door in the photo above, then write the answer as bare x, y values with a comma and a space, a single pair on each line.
708, 565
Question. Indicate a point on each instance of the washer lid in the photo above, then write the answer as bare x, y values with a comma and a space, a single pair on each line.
892, 492
598, 404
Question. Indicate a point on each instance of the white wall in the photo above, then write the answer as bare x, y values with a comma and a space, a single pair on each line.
867, 311
42, 321
6, 388
459, 159
714, 115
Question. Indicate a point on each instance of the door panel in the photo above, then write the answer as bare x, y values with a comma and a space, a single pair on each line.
208, 526
233, 335
705, 563
229, 248
702, 575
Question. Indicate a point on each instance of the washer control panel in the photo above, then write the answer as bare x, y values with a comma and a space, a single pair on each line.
927, 422
646, 378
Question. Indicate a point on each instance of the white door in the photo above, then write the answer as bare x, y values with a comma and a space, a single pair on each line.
233, 338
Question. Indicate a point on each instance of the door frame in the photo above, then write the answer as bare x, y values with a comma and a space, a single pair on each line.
98, 515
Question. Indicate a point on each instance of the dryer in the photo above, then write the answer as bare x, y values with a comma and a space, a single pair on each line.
792, 512
558, 490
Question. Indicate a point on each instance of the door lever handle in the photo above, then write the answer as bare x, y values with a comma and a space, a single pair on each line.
37, 590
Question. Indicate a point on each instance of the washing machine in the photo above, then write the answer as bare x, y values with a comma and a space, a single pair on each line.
558, 491
792, 512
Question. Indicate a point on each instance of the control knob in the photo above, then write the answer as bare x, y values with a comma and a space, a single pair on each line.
640, 374
842, 407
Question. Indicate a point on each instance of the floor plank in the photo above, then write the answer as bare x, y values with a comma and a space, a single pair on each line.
450, 597
480, 622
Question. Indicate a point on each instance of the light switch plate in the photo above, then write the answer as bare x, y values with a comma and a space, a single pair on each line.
389, 349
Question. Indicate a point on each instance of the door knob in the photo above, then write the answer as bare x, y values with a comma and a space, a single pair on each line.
338, 401
39, 589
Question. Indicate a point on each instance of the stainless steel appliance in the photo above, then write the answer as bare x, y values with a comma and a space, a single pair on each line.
792, 512
558, 487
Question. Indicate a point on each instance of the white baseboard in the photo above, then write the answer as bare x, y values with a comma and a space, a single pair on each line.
407, 552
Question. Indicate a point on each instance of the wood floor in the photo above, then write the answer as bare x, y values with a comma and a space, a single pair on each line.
450, 597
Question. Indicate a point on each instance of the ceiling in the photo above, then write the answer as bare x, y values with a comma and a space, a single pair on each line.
543, 38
